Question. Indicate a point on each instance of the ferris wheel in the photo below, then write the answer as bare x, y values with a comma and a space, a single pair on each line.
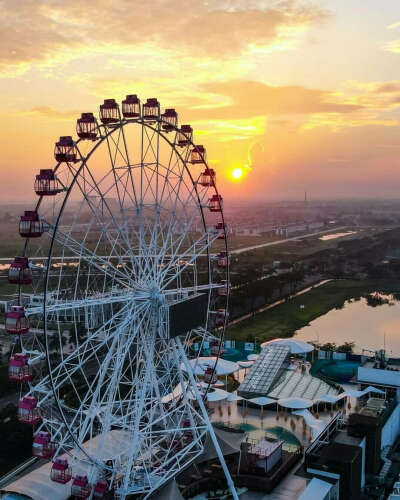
124, 277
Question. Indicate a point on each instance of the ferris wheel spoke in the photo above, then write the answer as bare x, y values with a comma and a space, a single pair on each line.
94, 188
129, 167
91, 258
172, 246
170, 169
84, 353
87, 302
188, 256
191, 289
119, 178
105, 383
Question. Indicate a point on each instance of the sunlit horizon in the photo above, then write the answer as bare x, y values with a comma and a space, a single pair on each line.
300, 95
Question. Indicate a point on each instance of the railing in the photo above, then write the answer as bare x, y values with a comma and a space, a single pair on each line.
14, 472
326, 433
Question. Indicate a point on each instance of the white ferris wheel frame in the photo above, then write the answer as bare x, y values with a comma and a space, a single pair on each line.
135, 302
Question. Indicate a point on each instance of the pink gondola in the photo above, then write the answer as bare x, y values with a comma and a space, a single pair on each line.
61, 471
19, 272
86, 127
16, 322
131, 106
19, 369
28, 413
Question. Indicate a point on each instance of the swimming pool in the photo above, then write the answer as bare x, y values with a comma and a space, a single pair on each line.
340, 371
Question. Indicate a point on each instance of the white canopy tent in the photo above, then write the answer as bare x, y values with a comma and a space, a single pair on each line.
253, 357
176, 393
245, 364
212, 396
317, 426
358, 394
295, 403
223, 366
229, 443
296, 346
329, 398
262, 401
233, 397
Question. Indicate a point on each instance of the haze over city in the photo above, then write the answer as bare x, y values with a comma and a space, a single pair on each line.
200, 250
300, 95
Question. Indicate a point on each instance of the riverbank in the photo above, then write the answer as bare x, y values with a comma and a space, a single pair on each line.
286, 318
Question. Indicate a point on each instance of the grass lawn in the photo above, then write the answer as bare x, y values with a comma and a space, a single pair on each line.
284, 319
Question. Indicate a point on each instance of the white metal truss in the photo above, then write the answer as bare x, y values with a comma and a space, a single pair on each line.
129, 235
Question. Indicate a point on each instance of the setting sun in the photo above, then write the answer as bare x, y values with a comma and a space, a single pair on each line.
237, 173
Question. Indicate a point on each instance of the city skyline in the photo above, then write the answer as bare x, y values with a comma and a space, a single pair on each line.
303, 96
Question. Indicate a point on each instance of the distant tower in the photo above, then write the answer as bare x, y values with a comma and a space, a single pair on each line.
305, 198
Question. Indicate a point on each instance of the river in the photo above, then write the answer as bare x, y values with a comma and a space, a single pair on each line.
369, 327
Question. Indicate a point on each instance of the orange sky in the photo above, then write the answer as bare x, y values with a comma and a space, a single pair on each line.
304, 95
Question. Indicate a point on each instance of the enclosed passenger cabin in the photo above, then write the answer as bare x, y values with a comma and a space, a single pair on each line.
47, 184
100, 489
207, 178
223, 290
210, 377
28, 413
220, 230
80, 487
19, 272
109, 112
151, 110
131, 106
65, 150
198, 154
221, 317
222, 259
215, 203
60, 471
42, 446
170, 120
30, 226
86, 127
16, 322
18, 368
218, 348
185, 135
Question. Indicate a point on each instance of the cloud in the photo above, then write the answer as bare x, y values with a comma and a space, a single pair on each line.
46, 112
50, 112
393, 46
250, 98
394, 26
388, 87
38, 32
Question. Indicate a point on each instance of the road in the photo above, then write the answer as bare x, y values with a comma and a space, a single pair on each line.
279, 242
235, 251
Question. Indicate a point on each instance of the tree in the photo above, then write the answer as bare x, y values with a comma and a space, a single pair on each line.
346, 347
329, 346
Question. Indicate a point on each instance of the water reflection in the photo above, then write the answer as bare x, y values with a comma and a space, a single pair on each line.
334, 236
369, 327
